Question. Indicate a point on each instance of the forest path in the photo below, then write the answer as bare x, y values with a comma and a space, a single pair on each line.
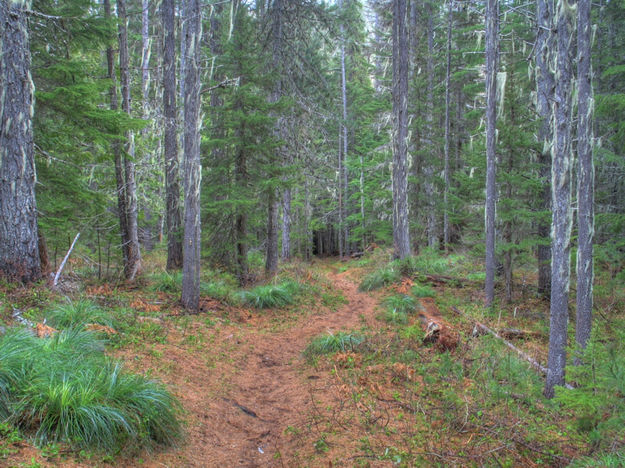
255, 386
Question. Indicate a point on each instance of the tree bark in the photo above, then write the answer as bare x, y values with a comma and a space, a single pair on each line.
192, 16
286, 223
428, 138
561, 199
450, 21
401, 231
585, 177
19, 250
120, 183
133, 262
545, 88
492, 56
271, 261
271, 258
172, 160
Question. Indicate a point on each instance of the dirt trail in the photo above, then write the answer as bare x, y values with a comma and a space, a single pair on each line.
238, 412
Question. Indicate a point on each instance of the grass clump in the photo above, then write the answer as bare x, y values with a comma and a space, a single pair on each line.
422, 290
77, 313
271, 296
64, 389
218, 290
166, 282
401, 303
379, 278
331, 343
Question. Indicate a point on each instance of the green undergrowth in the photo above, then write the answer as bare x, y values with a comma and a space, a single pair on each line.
598, 401
380, 278
64, 389
219, 286
333, 342
78, 313
397, 308
271, 295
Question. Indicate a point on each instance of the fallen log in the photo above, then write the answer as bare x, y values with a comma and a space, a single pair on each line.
436, 328
533, 362
480, 326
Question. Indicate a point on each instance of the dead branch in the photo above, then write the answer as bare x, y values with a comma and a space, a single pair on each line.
533, 362
58, 273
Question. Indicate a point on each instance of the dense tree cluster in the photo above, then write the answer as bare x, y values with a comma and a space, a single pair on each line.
278, 128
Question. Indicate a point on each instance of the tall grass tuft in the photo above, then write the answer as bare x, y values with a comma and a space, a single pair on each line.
401, 303
331, 343
420, 290
64, 388
77, 313
271, 296
380, 278
166, 282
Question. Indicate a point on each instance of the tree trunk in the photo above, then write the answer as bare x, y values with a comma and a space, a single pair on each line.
401, 232
172, 160
271, 258
271, 261
133, 262
561, 200
492, 55
545, 88
428, 139
586, 176
120, 184
286, 224
19, 251
192, 16
447, 128
345, 144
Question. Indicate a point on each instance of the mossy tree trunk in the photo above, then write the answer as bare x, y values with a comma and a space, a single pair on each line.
585, 176
172, 159
401, 231
561, 197
192, 16
492, 57
19, 251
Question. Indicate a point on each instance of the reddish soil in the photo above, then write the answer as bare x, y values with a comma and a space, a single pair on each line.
242, 400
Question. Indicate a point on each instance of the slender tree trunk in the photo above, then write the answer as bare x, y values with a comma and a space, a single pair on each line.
271, 262
116, 147
585, 177
286, 224
545, 88
561, 199
428, 138
192, 16
401, 231
172, 160
450, 20
271, 258
345, 144
340, 194
133, 263
19, 252
492, 52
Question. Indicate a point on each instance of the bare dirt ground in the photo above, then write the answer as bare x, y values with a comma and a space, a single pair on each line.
248, 388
